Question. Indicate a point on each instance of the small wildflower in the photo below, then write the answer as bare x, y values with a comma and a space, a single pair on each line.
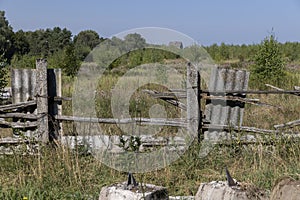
25, 198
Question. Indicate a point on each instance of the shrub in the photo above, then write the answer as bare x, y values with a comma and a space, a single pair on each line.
269, 65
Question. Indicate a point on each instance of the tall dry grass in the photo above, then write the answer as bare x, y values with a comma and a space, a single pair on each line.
62, 173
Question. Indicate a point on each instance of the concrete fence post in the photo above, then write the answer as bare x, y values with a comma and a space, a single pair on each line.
42, 100
193, 101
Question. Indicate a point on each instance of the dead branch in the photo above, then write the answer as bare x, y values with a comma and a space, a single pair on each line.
172, 99
276, 88
288, 124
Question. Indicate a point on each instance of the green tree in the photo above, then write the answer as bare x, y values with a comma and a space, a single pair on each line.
25, 61
85, 42
46, 42
134, 41
88, 38
269, 64
6, 38
70, 63
20, 43
224, 51
3, 72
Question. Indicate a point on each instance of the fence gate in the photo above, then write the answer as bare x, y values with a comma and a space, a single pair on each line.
35, 100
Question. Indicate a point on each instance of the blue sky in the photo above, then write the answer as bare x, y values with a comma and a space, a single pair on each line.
206, 21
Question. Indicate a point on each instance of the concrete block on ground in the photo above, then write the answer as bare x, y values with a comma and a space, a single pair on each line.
286, 188
219, 190
121, 192
182, 198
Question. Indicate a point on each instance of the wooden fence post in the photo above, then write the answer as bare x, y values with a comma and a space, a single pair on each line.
54, 107
42, 100
193, 101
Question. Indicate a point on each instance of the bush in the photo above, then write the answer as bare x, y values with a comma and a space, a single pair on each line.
269, 65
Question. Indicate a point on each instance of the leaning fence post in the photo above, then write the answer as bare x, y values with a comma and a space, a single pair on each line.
42, 100
193, 101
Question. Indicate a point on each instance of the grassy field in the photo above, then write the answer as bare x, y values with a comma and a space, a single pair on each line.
62, 173
65, 174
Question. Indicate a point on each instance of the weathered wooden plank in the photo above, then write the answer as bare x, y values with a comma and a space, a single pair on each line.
288, 124
161, 95
42, 103
238, 128
11, 140
143, 121
16, 141
227, 92
182, 94
172, 99
5, 124
58, 98
17, 105
20, 116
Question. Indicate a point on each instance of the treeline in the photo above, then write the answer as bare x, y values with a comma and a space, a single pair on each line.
20, 49
224, 52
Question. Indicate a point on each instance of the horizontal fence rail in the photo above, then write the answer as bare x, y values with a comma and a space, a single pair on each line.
143, 121
17, 105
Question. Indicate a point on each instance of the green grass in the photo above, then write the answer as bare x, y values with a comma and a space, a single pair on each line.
64, 174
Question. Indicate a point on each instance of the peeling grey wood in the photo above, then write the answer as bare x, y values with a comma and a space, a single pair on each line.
20, 116
171, 95
234, 92
42, 102
238, 128
12, 140
143, 121
5, 124
17, 105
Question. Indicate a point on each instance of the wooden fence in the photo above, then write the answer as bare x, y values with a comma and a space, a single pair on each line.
37, 104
